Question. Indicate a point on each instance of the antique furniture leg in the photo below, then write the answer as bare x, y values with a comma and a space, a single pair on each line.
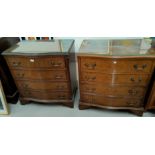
69, 104
23, 102
83, 107
137, 112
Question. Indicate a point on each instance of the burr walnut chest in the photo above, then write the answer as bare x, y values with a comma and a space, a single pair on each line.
115, 74
44, 71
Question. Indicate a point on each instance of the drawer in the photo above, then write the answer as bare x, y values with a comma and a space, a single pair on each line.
106, 90
36, 62
132, 79
40, 75
45, 95
86, 98
43, 86
111, 102
116, 65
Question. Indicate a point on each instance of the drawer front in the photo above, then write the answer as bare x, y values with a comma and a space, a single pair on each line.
111, 102
113, 90
46, 95
43, 86
40, 75
86, 98
115, 79
116, 66
36, 62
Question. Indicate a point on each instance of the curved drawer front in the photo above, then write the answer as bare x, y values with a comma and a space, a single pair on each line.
115, 79
116, 65
86, 98
46, 95
36, 62
40, 75
37, 85
111, 102
113, 90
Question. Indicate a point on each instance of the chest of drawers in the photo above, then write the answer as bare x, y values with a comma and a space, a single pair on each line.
114, 74
8, 84
43, 71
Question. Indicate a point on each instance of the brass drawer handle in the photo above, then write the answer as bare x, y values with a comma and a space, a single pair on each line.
90, 66
139, 79
58, 77
54, 64
25, 85
136, 67
133, 92
20, 75
133, 80
90, 78
16, 64
27, 93
61, 96
132, 103
60, 87
91, 89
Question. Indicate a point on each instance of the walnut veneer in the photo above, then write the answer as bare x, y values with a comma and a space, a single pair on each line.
44, 71
115, 74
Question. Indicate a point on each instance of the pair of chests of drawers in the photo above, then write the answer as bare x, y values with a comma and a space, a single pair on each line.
42, 77
114, 82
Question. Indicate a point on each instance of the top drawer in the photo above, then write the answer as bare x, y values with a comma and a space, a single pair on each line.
36, 62
116, 65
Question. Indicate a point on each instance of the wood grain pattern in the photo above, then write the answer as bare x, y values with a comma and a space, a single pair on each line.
127, 79
115, 74
115, 83
45, 95
44, 78
29, 74
44, 85
113, 90
112, 101
52, 62
114, 66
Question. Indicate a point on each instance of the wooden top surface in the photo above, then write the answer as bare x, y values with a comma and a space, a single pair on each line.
53, 47
124, 47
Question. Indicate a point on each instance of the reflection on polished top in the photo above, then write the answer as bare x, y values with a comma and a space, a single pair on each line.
41, 47
124, 47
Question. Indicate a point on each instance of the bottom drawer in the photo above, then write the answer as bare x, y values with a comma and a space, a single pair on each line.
45, 95
111, 102
43, 85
